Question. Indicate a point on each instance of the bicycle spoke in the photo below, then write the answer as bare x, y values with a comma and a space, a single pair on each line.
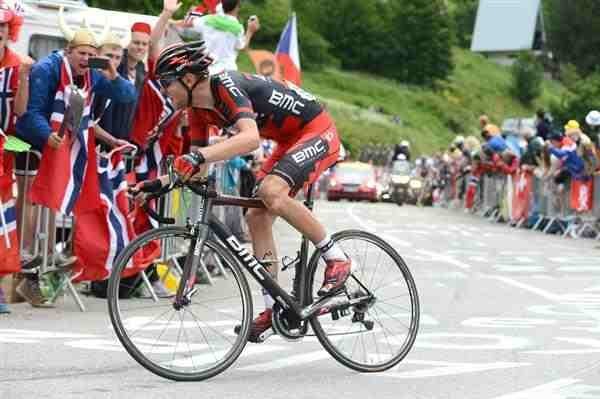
209, 327
379, 345
190, 343
151, 321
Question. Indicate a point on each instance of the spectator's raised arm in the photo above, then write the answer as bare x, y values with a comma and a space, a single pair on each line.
169, 8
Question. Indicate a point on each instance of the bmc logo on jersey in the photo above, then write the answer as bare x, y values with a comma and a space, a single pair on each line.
287, 102
315, 150
230, 84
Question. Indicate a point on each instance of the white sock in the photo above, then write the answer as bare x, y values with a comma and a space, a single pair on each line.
330, 250
269, 301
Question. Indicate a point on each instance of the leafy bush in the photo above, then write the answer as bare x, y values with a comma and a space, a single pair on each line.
584, 97
527, 75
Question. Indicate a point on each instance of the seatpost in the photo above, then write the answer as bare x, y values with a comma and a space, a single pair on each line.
308, 201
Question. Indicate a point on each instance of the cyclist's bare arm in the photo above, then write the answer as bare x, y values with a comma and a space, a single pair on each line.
247, 140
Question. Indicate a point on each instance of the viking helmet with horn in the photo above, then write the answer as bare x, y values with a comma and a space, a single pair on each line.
109, 38
83, 36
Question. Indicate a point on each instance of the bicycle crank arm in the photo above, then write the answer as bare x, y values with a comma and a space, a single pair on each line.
327, 304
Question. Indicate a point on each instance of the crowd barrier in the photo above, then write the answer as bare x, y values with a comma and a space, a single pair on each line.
549, 208
44, 235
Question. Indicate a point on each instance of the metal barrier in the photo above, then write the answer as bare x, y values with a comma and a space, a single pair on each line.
549, 204
44, 244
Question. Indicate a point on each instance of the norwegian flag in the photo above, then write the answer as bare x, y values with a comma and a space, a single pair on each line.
9, 81
64, 171
287, 54
154, 111
9, 240
102, 234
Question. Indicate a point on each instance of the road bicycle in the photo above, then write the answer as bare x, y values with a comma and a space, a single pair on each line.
369, 326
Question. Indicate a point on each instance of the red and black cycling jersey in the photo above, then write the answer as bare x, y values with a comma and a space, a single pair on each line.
281, 110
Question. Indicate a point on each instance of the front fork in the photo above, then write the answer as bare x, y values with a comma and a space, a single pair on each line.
192, 260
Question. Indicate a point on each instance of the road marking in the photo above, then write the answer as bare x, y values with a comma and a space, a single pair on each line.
440, 369
486, 341
546, 391
518, 268
506, 322
34, 336
213, 357
436, 257
396, 241
360, 221
534, 290
593, 346
288, 361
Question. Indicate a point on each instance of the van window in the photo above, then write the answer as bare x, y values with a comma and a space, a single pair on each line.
42, 45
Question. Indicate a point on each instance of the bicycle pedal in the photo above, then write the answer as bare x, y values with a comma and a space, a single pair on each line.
263, 337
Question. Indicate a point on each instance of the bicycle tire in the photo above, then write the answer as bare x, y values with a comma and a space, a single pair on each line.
235, 272
317, 326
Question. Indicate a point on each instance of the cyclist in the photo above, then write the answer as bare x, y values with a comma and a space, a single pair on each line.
255, 107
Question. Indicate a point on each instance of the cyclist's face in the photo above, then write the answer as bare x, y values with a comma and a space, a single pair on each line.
176, 90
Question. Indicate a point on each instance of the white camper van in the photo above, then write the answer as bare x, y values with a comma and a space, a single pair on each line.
41, 34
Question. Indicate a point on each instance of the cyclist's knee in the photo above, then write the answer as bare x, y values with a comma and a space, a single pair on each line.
274, 192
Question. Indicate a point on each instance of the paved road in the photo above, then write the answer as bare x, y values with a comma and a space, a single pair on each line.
506, 314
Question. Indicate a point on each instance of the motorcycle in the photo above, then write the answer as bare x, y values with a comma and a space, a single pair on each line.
399, 182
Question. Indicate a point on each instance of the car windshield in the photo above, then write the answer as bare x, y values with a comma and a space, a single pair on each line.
401, 167
353, 175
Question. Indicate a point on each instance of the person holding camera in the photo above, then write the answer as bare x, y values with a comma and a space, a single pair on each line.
50, 82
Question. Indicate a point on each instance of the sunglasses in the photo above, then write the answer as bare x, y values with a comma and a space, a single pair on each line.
167, 81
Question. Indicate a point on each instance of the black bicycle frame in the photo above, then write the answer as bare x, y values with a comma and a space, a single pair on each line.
303, 307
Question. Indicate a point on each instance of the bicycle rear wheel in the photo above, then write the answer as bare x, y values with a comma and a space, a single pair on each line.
188, 343
378, 334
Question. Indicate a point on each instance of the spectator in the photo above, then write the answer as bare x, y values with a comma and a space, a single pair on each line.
231, 184
224, 35
593, 121
531, 158
585, 147
113, 119
485, 125
542, 124
48, 78
14, 72
495, 143
565, 150
132, 65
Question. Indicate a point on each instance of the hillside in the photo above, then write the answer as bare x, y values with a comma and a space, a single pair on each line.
429, 119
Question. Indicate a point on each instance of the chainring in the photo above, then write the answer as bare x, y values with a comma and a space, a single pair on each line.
287, 324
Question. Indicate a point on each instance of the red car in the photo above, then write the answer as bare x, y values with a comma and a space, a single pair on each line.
353, 181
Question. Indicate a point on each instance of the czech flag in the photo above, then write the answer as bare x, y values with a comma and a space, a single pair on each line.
287, 53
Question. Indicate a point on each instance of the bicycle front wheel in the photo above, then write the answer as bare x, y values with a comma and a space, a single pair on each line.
184, 343
377, 334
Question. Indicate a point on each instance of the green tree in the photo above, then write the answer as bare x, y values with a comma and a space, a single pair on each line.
419, 42
527, 74
584, 97
464, 15
574, 32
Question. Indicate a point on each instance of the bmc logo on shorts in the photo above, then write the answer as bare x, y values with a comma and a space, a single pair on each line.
312, 151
